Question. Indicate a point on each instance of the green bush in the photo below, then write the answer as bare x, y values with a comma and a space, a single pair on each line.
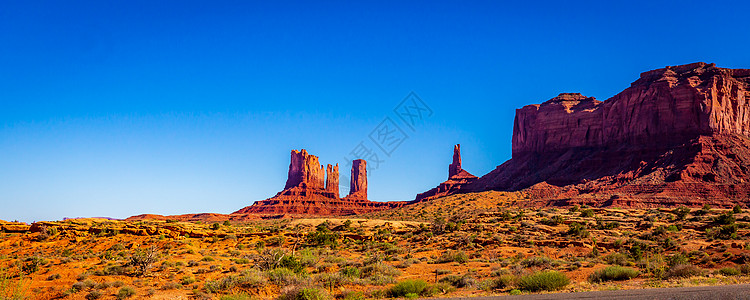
587, 213
729, 271
304, 294
93, 295
613, 273
616, 259
683, 270
577, 229
543, 281
241, 296
350, 272
452, 256
405, 287
12, 289
681, 212
283, 276
125, 292
459, 281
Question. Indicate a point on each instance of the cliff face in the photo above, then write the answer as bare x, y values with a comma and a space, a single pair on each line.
664, 107
312, 190
676, 136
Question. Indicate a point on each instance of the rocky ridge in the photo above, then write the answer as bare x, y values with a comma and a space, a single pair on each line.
677, 136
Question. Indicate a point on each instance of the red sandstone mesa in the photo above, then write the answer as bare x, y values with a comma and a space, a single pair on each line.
457, 178
312, 191
676, 136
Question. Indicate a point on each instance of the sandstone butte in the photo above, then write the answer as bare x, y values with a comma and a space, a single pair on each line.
676, 136
310, 190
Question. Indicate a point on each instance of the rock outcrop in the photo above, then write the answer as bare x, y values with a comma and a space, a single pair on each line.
676, 136
457, 178
358, 185
455, 167
332, 180
311, 190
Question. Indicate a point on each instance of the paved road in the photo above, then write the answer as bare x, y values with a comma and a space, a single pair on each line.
740, 291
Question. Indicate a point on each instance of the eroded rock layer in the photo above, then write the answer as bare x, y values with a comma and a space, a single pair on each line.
676, 136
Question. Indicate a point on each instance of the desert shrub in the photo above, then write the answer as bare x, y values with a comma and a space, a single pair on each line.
683, 270
539, 261
274, 241
452, 256
241, 261
125, 292
308, 293
729, 271
601, 225
241, 296
350, 271
291, 263
143, 259
251, 278
322, 236
636, 250
438, 288
703, 211
188, 280
504, 281
587, 213
577, 229
737, 209
32, 264
726, 232
406, 287
543, 281
10, 288
207, 259
725, 218
93, 295
554, 221
379, 269
283, 276
378, 279
221, 285
459, 281
83, 285
616, 259
53, 277
613, 273
215, 226
681, 212
677, 259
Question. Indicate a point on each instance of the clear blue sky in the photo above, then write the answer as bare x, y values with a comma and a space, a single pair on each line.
117, 108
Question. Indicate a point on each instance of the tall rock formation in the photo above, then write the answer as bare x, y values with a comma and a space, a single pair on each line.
358, 183
312, 190
676, 136
305, 171
332, 180
455, 167
457, 178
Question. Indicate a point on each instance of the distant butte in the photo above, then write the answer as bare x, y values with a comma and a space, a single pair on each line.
457, 178
312, 190
677, 136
